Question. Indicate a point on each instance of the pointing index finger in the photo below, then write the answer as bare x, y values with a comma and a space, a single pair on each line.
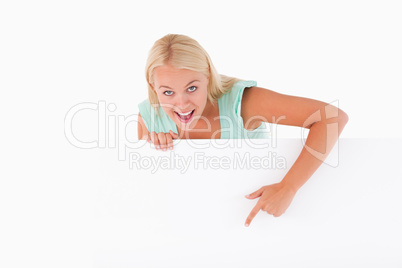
252, 214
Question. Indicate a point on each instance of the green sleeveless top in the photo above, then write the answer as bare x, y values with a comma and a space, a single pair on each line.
232, 126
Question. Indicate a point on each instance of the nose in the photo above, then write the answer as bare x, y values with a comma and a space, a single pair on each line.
182, 101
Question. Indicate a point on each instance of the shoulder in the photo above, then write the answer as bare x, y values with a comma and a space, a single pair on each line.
263, 105
251, 105
253, 97
242, 100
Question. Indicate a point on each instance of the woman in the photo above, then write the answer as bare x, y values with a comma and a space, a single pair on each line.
189, 99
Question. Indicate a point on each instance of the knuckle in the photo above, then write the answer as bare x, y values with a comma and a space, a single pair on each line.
161, 140
161, 135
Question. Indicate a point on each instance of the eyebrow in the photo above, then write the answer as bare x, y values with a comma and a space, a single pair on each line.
185, 86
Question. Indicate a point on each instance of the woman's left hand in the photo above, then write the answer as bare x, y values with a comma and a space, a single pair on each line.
274, 199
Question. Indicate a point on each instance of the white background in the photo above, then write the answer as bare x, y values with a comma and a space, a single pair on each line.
171, 216
54, 55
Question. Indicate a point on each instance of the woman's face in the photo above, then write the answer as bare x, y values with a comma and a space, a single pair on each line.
181, 91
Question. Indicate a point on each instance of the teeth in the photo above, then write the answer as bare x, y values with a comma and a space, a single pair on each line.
185, 113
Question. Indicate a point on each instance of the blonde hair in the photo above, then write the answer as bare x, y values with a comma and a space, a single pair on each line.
183, 52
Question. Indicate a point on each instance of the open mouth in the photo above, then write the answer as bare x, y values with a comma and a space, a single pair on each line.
185, 118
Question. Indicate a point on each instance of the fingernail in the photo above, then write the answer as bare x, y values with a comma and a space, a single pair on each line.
246, 224
248, 195
158, 147
170, 148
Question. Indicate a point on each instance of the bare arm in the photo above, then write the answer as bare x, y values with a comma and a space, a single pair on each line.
321, 139
325, 123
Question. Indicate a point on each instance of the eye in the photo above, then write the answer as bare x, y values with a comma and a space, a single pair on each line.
195, 88
170, 93
167, 94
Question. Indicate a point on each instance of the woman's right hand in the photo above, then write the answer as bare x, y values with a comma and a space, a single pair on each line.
162, 140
